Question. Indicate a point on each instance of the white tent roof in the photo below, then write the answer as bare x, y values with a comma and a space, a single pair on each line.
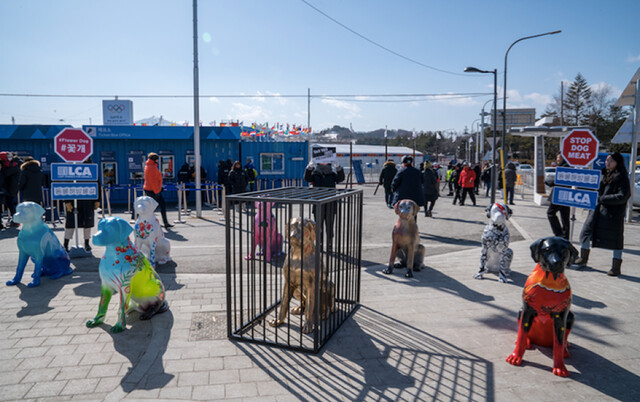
370, 149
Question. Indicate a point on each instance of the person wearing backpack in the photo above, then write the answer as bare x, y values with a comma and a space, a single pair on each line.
251, 173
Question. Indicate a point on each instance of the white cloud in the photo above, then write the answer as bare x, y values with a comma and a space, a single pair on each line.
541, 99
633, 59
351, 109
213, 99
513, 95
615, 92
454, 100
248, 113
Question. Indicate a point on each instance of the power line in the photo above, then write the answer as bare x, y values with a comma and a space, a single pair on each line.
323, 96
381, 46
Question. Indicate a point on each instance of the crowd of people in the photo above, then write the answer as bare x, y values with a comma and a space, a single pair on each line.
603, 228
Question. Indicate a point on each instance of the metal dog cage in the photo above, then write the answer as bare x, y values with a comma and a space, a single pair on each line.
326, 289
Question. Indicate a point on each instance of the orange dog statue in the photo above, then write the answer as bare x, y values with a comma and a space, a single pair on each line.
545, 318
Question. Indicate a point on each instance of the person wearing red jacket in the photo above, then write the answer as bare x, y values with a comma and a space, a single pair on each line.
467, 182
153, 185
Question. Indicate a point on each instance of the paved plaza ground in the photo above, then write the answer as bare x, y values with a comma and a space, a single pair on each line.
441, 335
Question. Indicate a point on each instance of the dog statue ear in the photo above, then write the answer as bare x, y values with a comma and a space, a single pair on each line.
416, 209
535, 250
124, 229
488, 210
395, 207
311, 227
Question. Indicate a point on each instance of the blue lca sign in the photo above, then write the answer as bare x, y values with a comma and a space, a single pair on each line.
584, 178
575, 198
74, 191
74, 171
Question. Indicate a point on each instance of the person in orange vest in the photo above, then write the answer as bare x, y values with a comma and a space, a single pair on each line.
153, 185
467, 182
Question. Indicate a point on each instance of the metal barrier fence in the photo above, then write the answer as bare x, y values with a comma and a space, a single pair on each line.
295, 246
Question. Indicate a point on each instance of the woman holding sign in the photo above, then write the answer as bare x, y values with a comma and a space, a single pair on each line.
604, 227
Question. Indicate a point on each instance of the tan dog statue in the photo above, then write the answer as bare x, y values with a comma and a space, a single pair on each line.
406, 239
299, 276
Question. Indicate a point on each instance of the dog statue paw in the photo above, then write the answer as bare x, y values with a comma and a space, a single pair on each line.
406, 240
496, 255
36, 241
126, 271
545, 318
150, 239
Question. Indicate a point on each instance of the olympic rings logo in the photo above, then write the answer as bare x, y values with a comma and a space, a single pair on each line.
116, 108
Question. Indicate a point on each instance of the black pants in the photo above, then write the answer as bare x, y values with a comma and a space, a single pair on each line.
163, 208
428, 206
560, 229
329, 212
465, 191
388, 195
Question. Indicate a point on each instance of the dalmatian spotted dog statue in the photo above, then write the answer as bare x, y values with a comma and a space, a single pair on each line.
496, 255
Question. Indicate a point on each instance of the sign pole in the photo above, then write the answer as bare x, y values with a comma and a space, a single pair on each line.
196, 111
634, 151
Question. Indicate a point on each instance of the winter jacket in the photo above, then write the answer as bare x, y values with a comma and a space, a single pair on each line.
11, 173
152, 177
387, 174
605, 224
407, 185
510, 175
237, 181
31, 181
324, 175
467, 178
185, 173
430, 184
223, 173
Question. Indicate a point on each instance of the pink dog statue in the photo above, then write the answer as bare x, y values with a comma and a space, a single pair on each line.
265, 232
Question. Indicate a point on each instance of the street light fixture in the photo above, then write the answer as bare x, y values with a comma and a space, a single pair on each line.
504, 89
495, 100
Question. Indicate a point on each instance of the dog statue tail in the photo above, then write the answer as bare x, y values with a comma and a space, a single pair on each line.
147, 291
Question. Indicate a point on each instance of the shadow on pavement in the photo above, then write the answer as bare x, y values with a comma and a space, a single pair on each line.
37, 299
593, 370
169, 275
376, 357
433, 278
144, 343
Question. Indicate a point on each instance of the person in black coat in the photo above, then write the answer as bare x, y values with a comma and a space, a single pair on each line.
325, 175
11, 176
407, 185
457, 189
386, 178
430, 186
237, 179
31, 181
604, 227
560, 227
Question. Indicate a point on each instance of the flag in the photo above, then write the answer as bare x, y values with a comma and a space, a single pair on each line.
385, 132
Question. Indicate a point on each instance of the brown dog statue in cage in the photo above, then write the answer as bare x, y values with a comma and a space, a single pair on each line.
299, 272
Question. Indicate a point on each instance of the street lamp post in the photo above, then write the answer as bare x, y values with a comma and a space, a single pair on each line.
504, 88
495, 101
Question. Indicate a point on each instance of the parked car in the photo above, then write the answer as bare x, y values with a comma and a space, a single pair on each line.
549, 171
525, 167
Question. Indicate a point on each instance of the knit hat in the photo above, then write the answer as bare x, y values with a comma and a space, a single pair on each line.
153, 156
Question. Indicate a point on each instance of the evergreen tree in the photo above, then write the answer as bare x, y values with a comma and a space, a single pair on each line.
577, 103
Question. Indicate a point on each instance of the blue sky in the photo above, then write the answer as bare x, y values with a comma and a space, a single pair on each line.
283, 47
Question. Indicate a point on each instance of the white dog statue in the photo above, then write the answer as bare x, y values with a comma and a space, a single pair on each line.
496, 255
149, 237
